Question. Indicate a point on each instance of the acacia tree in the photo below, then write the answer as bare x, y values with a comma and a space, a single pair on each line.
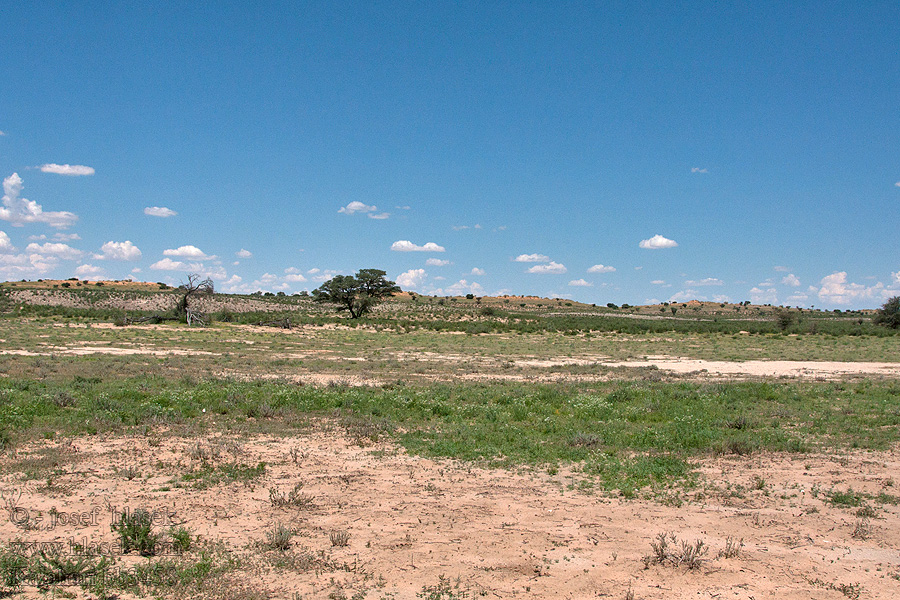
889, 314
359, 294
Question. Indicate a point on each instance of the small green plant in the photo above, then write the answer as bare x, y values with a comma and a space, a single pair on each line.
181, 539
135, 529
444, 590
53, 568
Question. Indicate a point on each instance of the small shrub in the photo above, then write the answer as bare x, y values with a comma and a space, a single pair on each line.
279, 538
135, 530
339, 538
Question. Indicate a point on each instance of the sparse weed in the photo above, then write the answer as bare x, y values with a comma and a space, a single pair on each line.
339, 538
732, 548
295, 497
279, 537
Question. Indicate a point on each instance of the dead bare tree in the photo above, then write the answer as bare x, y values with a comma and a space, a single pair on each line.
193, 288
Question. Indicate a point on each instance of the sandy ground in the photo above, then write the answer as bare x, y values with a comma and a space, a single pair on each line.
764, 368
502, 534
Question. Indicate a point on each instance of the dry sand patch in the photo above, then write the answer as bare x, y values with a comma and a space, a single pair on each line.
503, 534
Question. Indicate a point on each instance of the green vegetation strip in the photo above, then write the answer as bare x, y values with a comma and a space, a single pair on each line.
624, 436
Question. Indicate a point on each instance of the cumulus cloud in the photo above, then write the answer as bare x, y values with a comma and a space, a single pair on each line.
763, 296
551, 268
686, 296
529, 258
580, 283
66, 237
119, 251
187, 252
379, 216
159, 211
601, 269
896, 277
412, 279
722, 298
791, 280
897, 184
461, 288
357, 207
6, 246
437, 262
293, 275
243, 253
90, 272
698, 170
167, 264
19, 211
63, 251
657, 242
782, 269
71, 170
704, 282
658, 282
477, 271
836, 289
407, 246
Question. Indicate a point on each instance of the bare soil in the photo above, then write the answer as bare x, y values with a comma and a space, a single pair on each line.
500, 534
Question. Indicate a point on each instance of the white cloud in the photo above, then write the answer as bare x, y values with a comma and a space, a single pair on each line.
698, 170
411, 279
119, 251
355, 207
460, 288
187, 252
159, 211
294, 278
897, 184
63, 251
580, 283
532, 258
896, 277
790, 280
379, 216
243, 253
74, 170
66, 237
658, 282
657, 242
459, 227
551, 267
601, 269
19, 211
782, 269
722, 298
797, 298
90, 272
836, 289
407, 246
6, 246
704, 282
477, 271
167, 264
2, 133
763, 296
312, 271
437, 262
686, 296
402, 207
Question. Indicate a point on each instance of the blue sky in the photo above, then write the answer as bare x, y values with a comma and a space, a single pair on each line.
606, 152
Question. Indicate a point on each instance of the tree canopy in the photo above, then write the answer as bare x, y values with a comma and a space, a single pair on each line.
889, 314
358, 294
